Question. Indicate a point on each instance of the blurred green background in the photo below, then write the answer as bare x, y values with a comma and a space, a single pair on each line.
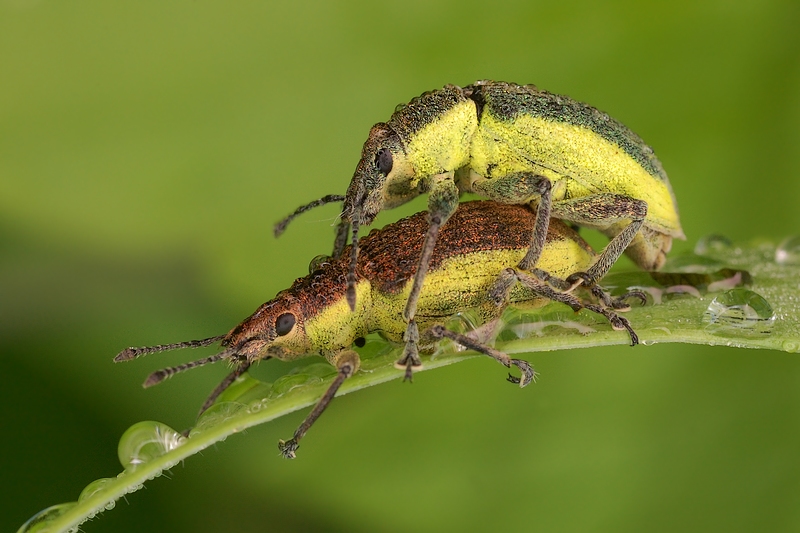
146, 149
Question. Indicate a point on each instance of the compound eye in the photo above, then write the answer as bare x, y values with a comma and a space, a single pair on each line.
284, 324
383, 161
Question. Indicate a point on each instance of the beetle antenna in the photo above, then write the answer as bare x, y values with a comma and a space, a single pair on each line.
280, 227
351, 271
160, 375
132, 353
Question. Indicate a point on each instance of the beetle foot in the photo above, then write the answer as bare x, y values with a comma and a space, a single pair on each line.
620, 304
528, 373
620, 323
410, 361
555, 282
580, 278
288, 448
502, 287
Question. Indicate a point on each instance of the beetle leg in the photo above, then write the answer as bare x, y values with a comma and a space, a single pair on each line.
351, 271
528, 374
342, 231
543, 289
606, 212
442, 202
229, 379
618, 304
347, 363
410, 360
499, 292
552, 280
510, 276
522, 188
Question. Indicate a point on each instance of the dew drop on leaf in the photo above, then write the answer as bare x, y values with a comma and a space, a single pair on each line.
284, 384
41, 520
712, 244
788, 252
215, 415
739, 312
145, 441
95, 487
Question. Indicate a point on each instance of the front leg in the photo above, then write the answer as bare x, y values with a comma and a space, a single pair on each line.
410, 360
342, 232
442, 203
347, 363
241, 368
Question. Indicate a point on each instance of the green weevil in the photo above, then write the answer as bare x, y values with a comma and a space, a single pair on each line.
483, 243
513, 144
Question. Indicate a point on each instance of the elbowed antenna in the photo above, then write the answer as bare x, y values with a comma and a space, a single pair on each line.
132, 353
280, 227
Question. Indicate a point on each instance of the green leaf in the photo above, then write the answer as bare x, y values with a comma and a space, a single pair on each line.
705, 309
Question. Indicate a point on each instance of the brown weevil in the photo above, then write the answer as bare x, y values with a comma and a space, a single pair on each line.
481, 246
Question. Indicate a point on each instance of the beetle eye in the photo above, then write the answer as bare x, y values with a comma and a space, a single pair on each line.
383, 161
284, 324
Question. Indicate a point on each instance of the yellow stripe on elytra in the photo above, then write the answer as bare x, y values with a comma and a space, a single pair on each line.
463, 282
444, 143
557, 149
335, 326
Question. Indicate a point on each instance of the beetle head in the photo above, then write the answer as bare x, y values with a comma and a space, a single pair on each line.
275, 330
383, 178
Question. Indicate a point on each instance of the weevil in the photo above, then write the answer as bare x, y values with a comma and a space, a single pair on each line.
482, 244
513, 144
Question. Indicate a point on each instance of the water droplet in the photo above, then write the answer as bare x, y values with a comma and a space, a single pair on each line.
739, 312
318, 262
215, 415
257, 405
712, 244
470, 323
240, 390
145, 441
788, 252
464, 321
40, 520
319, 370
791, 346
95, 487
286, 383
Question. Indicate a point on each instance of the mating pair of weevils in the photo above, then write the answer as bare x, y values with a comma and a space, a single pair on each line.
541, 158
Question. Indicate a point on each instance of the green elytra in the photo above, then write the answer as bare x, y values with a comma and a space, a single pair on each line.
513, 144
